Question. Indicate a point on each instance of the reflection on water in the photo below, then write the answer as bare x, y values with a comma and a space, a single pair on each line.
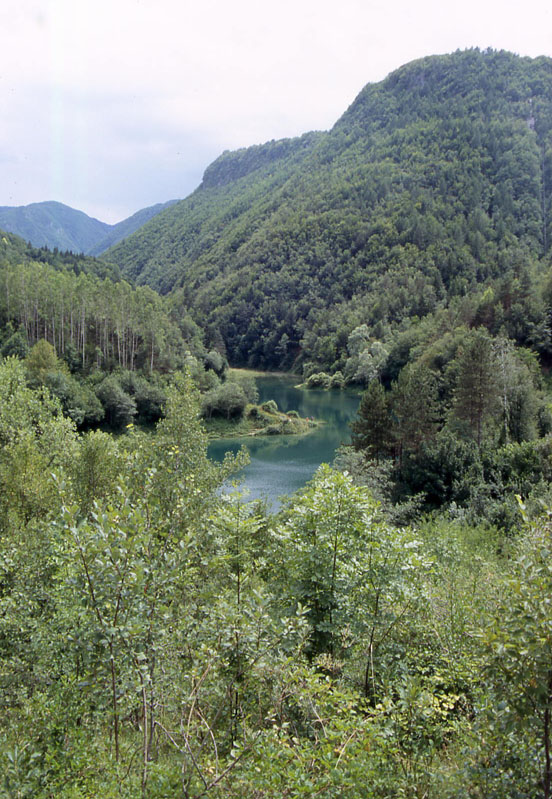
280, 465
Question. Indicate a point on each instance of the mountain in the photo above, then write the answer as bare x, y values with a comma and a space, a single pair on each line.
15, 252
121, 230
434, 181
53, 224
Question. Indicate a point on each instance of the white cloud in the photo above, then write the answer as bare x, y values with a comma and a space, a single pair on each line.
107, 103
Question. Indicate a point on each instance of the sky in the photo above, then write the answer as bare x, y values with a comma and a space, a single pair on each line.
110, 106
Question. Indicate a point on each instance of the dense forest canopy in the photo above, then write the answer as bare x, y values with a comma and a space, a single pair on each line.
435, 180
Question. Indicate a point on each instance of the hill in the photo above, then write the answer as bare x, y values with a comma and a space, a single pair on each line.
435, 180
15, 252
55, 225
126, 227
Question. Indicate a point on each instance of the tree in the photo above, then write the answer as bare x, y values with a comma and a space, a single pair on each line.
324, 533
119, 407
414, 408
228, 400
15, 345
475, 395
372, 428
41, 359
516, 393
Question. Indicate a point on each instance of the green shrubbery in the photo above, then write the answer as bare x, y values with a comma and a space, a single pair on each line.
324, 649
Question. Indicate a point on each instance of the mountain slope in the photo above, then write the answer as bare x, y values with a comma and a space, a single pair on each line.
53, 224
236, 192
434, 180
126, 227
15, 251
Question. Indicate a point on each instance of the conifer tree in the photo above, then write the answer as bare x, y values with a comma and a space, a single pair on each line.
372, 428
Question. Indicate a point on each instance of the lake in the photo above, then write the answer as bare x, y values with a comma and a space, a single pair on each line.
280, 465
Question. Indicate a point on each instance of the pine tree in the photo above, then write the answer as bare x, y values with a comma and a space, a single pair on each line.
475, 396
372, 428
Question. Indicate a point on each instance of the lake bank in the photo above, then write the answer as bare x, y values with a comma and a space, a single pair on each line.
282, 464
260, 420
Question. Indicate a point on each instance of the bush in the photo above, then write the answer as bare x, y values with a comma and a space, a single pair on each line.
227, 400
318, 380
16, 345
247, 384
149, 398
215, 361
119, 407
77, 400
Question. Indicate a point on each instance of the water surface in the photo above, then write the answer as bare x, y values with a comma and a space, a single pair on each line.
280, 465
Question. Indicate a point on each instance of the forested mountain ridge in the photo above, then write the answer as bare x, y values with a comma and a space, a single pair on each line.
233, 190
55, 225
433, 181
14, 251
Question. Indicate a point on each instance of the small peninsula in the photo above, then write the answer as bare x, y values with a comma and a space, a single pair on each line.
260, 420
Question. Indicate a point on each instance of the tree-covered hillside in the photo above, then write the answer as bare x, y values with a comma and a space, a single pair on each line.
55, 225
15, 251
104, 349
435, 180
118, 232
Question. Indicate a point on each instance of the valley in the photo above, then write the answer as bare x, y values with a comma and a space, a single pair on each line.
360, 609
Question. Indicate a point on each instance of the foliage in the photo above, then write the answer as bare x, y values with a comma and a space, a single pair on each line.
161, 636
432, 185
93, 322
459, 427
157, 636
518, 639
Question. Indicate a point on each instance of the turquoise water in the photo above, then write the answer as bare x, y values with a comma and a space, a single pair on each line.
280, 465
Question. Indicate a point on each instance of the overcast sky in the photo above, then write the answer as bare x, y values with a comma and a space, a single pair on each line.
113, 105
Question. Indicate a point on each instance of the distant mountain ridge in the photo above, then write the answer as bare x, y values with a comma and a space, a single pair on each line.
53, 224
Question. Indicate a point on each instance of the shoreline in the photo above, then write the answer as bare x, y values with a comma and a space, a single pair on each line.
260, 421
241, 370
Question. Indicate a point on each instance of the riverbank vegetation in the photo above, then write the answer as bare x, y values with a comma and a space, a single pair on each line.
160, 639
465, 425
259, 420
